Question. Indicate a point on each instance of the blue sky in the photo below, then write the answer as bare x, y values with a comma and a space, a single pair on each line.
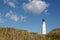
28, 14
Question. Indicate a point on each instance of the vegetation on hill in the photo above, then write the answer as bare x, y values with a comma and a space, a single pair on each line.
16, 34
54, 34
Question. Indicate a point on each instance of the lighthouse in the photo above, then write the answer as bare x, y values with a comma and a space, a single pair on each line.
43, 26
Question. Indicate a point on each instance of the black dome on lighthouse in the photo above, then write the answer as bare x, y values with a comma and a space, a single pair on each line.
43, 19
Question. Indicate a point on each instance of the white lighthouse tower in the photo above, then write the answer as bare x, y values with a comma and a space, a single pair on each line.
43, 26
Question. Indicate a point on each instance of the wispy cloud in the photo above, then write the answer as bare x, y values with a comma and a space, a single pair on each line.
0, 13
46, 12
5, 1
8, 14
35, 6
12, 16
1, 19
23, 18
10, 3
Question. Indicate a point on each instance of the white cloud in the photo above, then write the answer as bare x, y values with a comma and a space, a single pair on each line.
12, 16
10, 3
15, 18
8, 14
35, 6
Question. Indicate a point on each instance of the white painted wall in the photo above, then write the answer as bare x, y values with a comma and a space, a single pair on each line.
43, 27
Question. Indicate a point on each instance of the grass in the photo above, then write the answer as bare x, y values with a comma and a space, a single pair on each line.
17, 34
